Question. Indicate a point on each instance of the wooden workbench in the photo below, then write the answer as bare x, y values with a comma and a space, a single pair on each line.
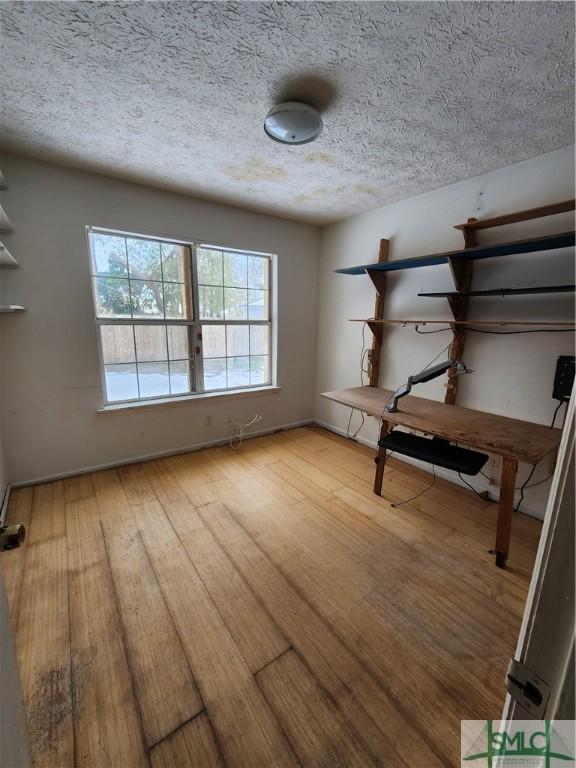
513, 439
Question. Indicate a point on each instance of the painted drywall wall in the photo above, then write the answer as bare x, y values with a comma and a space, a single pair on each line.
50, 366
3, 469
513, 374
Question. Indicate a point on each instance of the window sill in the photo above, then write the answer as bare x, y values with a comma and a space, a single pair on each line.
169, 401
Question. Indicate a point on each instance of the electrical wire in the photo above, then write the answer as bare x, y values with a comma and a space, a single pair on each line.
363, 371
523, 488
426, 333
239, 430
471, 486
417, 496
514, 333
365, 352
355, 435
540, 482
499, 333
444, 349
527, 484
560, 404
437, 356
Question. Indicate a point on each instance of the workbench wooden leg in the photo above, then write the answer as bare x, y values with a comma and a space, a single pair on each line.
380, 460
505, 510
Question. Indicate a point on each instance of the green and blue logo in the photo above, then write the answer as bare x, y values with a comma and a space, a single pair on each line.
521, 743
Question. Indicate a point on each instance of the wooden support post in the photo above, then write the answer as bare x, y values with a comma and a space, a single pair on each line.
379, 279
505, 509
462, 276
381, 459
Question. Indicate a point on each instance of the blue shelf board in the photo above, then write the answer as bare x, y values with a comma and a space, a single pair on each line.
548, 243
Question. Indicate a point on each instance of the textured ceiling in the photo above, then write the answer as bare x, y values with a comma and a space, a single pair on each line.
414, 95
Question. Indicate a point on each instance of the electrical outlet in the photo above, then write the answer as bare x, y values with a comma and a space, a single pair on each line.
208, 420
229, 418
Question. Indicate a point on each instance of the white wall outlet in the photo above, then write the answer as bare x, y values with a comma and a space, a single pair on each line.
208, 420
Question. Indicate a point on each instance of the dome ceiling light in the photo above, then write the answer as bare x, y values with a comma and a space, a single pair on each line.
293, 123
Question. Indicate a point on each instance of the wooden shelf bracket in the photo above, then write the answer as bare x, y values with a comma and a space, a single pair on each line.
379, 280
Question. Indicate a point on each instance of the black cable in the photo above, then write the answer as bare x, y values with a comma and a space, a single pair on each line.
524, 484
421, 492
501, 333
438, 330
472, 487
560, 404
386, 457
513, 333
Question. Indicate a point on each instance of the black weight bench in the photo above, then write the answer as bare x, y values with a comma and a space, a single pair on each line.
435, 450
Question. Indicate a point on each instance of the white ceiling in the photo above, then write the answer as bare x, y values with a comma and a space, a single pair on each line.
415, 95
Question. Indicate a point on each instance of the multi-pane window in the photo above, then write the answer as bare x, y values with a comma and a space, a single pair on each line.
176, 319
234, 308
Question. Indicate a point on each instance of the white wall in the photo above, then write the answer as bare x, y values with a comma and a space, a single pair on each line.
50, 366
3, 469
513, 374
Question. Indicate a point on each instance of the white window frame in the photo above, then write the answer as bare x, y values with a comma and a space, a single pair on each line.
194, 324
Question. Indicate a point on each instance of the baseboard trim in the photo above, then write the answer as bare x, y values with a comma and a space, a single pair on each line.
159, 454
492, 490
5, 501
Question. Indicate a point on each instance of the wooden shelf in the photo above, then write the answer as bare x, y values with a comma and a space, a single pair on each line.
533, 245
505, 291
527, 323
512, 218
4, 308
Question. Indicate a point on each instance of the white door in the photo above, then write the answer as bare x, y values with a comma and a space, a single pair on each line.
14, 752
546, 640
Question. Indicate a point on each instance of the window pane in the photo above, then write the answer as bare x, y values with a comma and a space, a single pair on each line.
213, 341
180, 377
154, 379
258, 305
108, 255
117, 343
258, 267
210, 267
215, 373
177, 302
112, 297
178, 347
260, 369
146, 298
235, 303
121, 382
211, 303
259, 339
238, 372
150, 342
236, 269
175, 263
237, 340
144, 259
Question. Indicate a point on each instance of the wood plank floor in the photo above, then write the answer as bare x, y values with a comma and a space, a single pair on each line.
260, 608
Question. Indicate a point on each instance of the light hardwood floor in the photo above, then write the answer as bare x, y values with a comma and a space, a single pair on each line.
260, 608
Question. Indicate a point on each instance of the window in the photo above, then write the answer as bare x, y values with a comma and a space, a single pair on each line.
179, 319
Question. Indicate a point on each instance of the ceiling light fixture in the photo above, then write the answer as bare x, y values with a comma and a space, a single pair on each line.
293, 123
